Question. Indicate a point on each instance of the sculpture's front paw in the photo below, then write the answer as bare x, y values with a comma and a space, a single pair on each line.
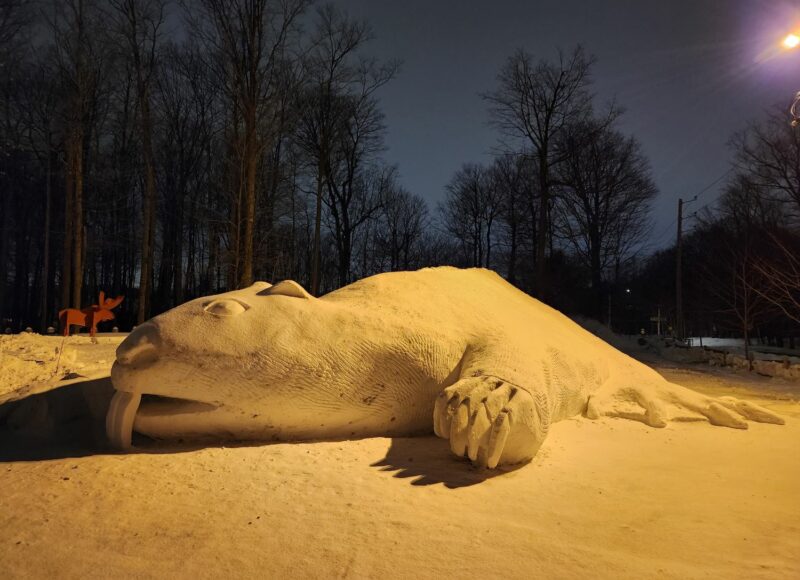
491, 421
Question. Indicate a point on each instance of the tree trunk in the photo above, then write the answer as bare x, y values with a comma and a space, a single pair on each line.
345, 251
234, 237
317, 221
251, 167
5, 228
512, 254
235, 226
542, 228
178, 280
148, 204
489, 245
534, 236
596, 275
69, 217
46, 242
77, 220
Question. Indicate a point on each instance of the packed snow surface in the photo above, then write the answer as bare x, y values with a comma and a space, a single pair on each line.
458, 352
603, 498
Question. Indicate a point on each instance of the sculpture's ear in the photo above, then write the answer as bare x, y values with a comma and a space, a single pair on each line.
260, 285
286, 288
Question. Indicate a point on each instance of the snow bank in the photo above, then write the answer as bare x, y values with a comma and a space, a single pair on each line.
767, 364
31, 363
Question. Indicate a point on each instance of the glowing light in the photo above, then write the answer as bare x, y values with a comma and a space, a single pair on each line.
791, 41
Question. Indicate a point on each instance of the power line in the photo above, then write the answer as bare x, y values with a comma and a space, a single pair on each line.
704, 190
659, 237
712, 184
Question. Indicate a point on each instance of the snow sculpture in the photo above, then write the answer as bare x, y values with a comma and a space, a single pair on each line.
459, 351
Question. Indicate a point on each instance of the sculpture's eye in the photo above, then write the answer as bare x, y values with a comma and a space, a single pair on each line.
226, 307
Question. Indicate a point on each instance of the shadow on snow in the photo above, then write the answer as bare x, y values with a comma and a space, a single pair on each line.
69, 422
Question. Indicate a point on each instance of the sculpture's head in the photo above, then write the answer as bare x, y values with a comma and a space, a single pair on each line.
207, 364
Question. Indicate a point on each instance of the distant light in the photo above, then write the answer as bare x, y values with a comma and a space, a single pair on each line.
628, 290
791, 41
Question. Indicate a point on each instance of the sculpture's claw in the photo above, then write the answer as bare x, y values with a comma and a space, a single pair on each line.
479, 429
498, 437
459, 429
751, 411
490, 421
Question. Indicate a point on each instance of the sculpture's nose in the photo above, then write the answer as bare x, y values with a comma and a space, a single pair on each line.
141, 346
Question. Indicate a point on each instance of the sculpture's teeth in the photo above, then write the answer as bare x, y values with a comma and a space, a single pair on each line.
119, 420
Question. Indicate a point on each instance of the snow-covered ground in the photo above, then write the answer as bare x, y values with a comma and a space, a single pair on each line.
31, 363
602, 499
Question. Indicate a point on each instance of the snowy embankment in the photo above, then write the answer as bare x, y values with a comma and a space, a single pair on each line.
780, 364
602, 499
766, 361
31, 363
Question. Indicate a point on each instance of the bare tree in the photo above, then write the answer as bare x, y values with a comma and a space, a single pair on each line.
355, 182
512, 177
780, 270
730, 245
470, 212
179, 171
339, 112
605, 194
533, 103
251, 37
768, 161
769, 154
16, 17
733, 281
184, 105
15, 24
40, 109
403, 222
139, 23
81, 56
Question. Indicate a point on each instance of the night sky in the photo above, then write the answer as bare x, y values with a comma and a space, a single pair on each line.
689, 73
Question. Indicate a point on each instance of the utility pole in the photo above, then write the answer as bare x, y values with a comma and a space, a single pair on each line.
678, 275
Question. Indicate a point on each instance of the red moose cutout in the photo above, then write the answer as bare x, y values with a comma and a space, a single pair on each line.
89, 316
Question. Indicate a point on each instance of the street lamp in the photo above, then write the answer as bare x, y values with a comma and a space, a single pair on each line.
790, 42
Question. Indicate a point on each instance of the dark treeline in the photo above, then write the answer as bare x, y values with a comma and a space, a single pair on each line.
163, 170
167, 150
563, 210
742, 257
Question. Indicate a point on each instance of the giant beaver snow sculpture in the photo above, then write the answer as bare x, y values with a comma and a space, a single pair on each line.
459, 352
